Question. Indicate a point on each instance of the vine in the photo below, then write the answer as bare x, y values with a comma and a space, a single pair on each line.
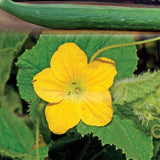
155, 130
122, 45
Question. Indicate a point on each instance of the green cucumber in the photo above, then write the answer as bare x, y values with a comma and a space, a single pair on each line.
72, 16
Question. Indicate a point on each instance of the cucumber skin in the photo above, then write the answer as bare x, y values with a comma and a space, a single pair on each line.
70, 16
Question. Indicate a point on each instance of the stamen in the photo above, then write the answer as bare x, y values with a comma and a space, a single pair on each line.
69, 93
77, 91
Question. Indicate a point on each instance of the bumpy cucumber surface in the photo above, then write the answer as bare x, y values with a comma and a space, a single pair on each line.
71, 16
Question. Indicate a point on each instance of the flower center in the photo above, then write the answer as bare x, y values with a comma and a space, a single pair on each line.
74, 88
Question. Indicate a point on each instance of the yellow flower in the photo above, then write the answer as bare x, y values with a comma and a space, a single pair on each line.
76, 90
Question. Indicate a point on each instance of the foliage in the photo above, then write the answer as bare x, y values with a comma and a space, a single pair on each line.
13, 100
14, 135
136, 103
129, 90
33, 61
9, 48
123, 134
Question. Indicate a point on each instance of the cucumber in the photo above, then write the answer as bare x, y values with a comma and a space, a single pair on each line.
72, 16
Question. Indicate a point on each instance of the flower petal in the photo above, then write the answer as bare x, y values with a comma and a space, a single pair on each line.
62, 116
100, 72
97, 109
48, 87
68, 61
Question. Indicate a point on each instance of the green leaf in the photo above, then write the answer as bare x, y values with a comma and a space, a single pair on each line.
12, 100
122, 133
129, 90
12, 40
6, 60
38, 58
15, 137
10, 45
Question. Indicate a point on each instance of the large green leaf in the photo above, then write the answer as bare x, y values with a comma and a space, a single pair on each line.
129, 90
10, 45
15, 137
12, 100
122, 133
6, 59
38, 58
12, 40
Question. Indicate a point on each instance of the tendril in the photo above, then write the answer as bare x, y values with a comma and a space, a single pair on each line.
155, 130
122, 45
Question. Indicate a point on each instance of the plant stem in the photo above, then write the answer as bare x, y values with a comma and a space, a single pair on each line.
99, 153
85, 147
122, 45
37, 138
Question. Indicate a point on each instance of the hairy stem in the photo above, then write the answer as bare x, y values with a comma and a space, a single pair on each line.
37, 138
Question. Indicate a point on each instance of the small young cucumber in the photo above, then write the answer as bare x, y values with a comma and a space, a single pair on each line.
71, 16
